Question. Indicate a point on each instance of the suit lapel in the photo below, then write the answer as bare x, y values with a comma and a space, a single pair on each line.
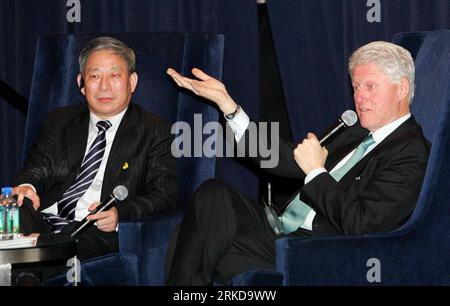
119, 149
407, 130
75, 143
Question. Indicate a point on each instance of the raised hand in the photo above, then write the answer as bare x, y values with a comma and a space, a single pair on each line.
206, 87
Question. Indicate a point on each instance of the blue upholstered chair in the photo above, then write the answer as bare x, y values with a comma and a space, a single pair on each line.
411, 41
143, 243
419, 252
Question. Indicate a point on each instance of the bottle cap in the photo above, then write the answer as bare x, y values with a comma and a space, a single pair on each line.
7, 191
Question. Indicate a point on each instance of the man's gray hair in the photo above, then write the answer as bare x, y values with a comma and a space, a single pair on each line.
395, 61
108, 43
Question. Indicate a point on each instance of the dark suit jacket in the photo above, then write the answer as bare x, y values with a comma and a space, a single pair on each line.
143, 140
377, 195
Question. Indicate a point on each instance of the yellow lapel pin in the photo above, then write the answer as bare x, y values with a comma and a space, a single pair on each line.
125, 166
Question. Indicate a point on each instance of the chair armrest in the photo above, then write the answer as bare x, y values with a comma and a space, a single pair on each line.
350, 260
148, 240
258, 278
142, 245
110, 270
153, 230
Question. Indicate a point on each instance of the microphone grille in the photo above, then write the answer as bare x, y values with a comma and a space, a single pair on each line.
120, 192
349, 117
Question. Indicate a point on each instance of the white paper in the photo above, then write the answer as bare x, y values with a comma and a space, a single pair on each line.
18, 242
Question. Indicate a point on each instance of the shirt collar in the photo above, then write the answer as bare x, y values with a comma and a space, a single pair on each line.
114, 120
380, 134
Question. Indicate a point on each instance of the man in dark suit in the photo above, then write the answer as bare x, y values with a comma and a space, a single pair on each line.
367, 180
83, 152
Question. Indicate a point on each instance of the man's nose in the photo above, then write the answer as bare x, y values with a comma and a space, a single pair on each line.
105, 83
359, 95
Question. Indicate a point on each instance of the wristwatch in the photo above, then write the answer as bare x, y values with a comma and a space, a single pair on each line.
230, 116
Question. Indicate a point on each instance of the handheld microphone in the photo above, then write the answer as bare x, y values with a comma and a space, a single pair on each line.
119, 193
348, 118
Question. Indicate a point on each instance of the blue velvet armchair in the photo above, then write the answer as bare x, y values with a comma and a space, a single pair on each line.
411, 41
418, 252
143, 243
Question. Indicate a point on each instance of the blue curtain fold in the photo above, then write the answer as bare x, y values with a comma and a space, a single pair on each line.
308, 40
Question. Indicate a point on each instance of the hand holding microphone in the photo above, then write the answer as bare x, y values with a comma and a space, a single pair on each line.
119, 193
310, 155
106, 220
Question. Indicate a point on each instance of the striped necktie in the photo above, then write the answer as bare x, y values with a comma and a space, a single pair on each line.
296, 213
86, 174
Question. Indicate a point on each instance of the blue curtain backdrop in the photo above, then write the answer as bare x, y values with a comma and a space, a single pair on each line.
313, 39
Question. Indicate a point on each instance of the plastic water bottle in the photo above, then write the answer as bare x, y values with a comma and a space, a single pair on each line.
12, 212
2, 217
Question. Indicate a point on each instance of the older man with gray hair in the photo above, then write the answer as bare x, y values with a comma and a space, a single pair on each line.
366, 180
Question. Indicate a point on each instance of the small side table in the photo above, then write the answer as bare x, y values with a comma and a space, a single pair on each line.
46, 249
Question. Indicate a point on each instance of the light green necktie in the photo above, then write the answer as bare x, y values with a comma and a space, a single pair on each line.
295, 214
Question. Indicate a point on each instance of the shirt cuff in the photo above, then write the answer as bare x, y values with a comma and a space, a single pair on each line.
239, 124
313, 174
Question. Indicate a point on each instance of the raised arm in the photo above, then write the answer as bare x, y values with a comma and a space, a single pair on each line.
207, 87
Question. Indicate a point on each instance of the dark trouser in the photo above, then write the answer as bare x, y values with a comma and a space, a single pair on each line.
91, 242
222, 234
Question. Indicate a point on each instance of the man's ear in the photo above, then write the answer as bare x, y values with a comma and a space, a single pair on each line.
80, 82
133, 81
404, 89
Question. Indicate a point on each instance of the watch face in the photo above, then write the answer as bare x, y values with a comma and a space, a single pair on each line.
231, 116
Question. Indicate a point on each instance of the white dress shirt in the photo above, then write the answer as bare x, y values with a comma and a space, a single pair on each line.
241, 121
93, 193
